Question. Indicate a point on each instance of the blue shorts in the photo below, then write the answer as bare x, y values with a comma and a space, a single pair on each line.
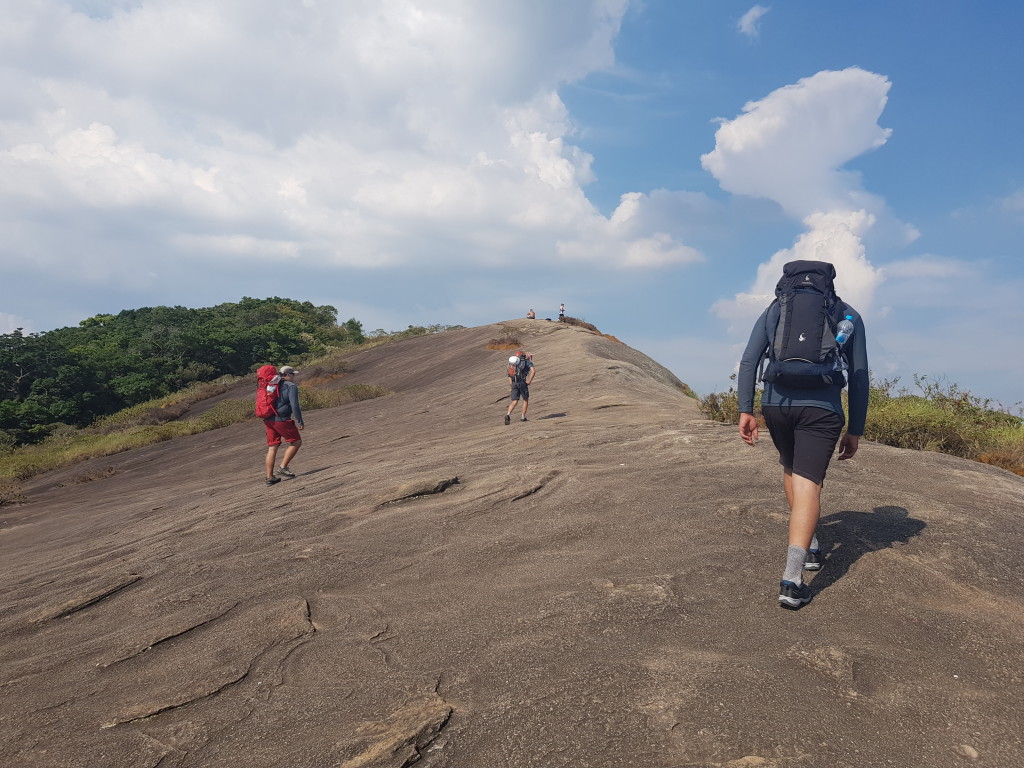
805, 436
520, 390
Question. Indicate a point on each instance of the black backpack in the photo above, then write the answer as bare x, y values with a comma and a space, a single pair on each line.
803, 352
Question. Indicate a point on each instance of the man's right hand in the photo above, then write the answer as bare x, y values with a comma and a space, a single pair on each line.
748, 428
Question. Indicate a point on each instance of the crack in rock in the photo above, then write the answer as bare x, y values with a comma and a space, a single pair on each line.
84, 601
419, 489
144, 711
530, 491
292, 623
129, 653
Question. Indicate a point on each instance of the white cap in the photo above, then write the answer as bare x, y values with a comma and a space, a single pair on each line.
513, 360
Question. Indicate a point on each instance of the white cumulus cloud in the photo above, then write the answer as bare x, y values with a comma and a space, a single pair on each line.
749, 23
790, 147
363, 134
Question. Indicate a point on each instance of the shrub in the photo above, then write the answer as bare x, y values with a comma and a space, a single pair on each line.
942, 418
507, 340
95, 474
10, 491
311, 399
580, 323
725, 406
163, 409
226, 413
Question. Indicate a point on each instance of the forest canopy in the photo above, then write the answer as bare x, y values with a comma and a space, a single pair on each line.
109, 362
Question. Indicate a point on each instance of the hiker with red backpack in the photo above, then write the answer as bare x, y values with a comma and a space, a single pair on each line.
277, 403
813, 343
520, 373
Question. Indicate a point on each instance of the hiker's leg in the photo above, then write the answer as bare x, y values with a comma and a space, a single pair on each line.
271, 457
290, 451
806, 438
273, 440
804, 498
526, 404
512, 406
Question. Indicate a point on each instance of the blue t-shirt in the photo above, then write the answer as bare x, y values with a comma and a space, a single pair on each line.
829, 398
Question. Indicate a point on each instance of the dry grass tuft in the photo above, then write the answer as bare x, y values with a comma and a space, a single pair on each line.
10, 491
505, 341
95, 474
320, 380
312, 399
580, 323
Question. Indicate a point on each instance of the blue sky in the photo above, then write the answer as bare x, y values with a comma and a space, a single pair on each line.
651, 164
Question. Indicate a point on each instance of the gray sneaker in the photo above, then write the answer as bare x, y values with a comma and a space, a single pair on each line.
792, 596
284, 472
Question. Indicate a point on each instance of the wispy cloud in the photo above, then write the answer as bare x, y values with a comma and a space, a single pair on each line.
750, 22
9, 323
1014, 202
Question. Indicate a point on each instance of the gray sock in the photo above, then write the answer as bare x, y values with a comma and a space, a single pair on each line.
795, 557
814, 543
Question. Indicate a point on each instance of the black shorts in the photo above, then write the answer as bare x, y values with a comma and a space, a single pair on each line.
520, 390
805, 436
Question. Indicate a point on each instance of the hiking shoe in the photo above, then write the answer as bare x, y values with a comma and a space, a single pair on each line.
813, 560
508, 419
273, 480
284, 472
792, 596
523, 419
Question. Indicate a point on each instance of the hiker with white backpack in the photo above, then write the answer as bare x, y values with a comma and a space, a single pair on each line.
805, 339
520, 373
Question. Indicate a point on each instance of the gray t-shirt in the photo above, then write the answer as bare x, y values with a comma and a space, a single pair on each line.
287, 404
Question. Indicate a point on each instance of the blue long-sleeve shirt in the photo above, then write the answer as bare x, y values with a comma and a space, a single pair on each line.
287, 404
828, 397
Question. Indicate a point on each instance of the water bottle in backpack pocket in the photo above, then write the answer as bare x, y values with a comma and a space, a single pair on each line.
844, 330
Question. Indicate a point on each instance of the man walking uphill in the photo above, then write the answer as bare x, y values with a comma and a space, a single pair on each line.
814, 345
284, 425
520, 373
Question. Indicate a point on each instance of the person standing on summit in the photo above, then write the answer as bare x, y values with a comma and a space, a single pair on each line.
520, 373
814, 344
284, 425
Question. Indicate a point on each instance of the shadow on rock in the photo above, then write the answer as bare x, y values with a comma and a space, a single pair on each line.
847, 536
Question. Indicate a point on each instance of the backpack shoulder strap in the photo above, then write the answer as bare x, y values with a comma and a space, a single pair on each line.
768, 351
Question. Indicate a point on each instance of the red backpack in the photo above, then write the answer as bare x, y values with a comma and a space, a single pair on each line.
266, 391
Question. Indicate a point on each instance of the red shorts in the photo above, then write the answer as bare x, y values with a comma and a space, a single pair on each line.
281, 429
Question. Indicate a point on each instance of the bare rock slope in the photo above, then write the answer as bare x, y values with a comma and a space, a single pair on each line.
594, 587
